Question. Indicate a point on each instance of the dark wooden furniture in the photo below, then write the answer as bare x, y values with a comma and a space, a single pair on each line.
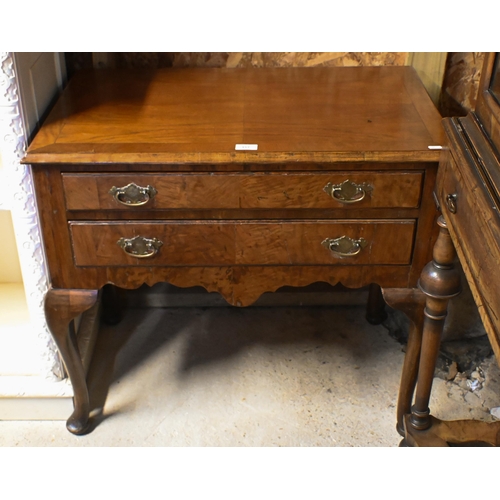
139, 179
468, 193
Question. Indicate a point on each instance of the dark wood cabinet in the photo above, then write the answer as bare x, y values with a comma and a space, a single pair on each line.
468, 193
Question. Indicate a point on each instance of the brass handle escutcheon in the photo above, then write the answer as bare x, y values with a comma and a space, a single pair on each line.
133, 195
348, 191
139, 246
344, 246
451, 202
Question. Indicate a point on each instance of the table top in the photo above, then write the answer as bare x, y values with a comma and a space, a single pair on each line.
199, 115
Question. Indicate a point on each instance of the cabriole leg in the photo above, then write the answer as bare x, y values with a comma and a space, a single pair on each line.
61, 308
411, 302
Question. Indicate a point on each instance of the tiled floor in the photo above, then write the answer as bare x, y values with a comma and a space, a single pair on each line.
260, 376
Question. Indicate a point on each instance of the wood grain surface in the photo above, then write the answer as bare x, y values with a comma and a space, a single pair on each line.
475, 229
243, 191
219, 243
172, 115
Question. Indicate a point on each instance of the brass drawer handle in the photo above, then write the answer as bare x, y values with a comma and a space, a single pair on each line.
133, 195
139, 246
344, 246
451, 202
348, 191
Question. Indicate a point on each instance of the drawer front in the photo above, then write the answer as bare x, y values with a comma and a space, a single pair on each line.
242, 190
214, 243
474, 223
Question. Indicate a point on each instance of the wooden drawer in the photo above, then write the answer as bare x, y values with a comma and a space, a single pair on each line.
214, 243
243, 190
473, 222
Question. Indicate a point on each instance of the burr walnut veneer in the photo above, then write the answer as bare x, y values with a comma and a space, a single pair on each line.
241, 181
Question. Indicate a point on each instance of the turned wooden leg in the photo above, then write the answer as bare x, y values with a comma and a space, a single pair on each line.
411, 302
375, 308
439, 281
61, 308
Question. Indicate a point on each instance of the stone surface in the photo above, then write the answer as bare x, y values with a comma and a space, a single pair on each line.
455, 399
281, 376
251, 377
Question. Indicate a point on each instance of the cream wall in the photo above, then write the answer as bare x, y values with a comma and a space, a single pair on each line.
10, 269
30, 369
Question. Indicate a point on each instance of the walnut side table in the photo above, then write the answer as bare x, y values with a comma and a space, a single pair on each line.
241, 181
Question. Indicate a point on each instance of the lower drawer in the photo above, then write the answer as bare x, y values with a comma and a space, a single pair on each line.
216, 243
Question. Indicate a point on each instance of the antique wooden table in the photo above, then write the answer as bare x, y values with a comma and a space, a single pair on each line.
239, 180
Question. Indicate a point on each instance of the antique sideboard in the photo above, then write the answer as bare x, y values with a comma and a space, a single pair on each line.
239, 180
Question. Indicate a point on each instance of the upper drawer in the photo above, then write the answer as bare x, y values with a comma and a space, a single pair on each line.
242, 190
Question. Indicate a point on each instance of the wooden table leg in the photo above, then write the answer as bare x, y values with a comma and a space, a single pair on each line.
61, 308
375, 308
453, 433
439, 281
411, 302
